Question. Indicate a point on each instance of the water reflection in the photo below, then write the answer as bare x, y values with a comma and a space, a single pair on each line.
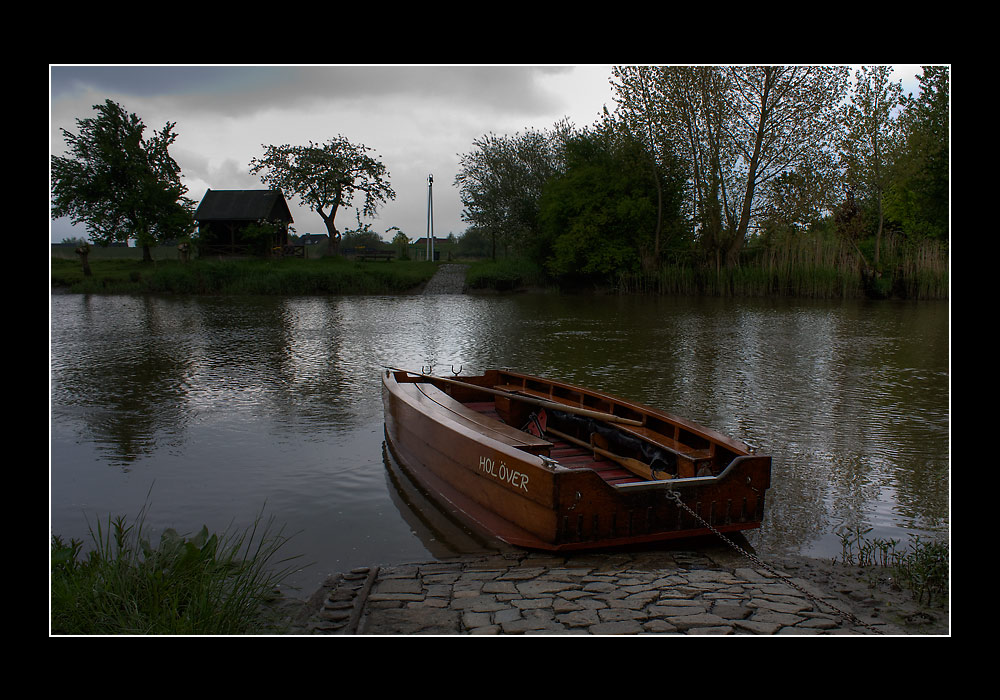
442, 533
228, 403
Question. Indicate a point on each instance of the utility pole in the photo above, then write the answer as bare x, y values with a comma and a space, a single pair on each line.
430, 217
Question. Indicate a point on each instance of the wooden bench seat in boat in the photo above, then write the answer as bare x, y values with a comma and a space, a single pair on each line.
435, 399
685, 452
570, 456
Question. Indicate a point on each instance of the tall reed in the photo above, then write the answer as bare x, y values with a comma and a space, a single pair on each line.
922, 568
807, 265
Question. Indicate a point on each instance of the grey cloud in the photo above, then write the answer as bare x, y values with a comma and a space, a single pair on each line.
233, 90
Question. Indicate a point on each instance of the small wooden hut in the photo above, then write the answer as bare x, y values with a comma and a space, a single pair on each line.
223, 217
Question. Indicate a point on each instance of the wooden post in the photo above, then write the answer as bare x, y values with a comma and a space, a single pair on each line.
83, 251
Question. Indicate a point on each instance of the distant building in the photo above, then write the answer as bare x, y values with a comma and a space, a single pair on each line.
224, 215
419, 247
313, 238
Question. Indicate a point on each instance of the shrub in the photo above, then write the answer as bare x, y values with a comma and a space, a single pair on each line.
203, 584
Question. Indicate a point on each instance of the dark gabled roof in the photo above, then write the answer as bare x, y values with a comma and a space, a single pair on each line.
243, 205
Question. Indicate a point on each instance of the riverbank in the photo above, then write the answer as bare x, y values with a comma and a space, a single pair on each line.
288, 277
715, 592
338, 275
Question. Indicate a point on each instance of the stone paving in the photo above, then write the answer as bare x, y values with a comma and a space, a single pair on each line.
449, 279
676, 593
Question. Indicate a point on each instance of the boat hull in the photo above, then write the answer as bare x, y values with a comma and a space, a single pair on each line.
508, 484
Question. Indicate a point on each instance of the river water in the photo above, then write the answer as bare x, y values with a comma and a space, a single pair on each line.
216, 411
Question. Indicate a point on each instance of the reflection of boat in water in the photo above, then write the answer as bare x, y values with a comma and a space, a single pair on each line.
443, 535
587, 470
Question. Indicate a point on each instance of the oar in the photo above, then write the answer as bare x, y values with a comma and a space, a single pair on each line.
609, 417
633, 465
600, 445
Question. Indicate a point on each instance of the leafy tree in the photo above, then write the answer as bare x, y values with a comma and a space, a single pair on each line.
326, 177
475, 243
784, 120
119, 183
482, 188
639, 95
742, 127
868, 137
849, 221
500, 182
401, 242
602, 215
919, 197
362, 236
798, 200
696, 109
666, 173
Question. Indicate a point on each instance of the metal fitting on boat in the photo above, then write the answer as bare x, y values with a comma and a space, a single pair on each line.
551, 463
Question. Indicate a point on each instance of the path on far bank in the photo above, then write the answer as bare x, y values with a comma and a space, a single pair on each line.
449, 279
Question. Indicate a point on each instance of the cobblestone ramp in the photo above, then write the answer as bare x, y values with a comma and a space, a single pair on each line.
449, 279
685, 593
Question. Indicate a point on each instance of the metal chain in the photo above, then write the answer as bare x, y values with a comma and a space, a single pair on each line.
756, 560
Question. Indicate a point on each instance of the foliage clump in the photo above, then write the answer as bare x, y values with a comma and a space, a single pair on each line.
922, 568
729, 180
120, 182
205, 584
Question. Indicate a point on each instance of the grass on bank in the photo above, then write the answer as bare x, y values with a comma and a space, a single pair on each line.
267, 277
504, 275
284, 277
201, 585
822, 268
922, 568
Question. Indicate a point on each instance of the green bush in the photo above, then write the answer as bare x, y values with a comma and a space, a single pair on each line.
503, 275
203, 584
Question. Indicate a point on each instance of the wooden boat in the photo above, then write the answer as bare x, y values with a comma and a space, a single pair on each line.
546, 465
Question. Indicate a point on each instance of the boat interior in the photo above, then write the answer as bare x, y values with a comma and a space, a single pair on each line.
570, 454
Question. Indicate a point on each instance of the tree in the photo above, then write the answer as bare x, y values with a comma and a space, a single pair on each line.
119, 183
920, 197
784, 121
361, 237
401, 242
695, 104
474, 242
869, 135
326, 177
500, 182
639, 93
605, 213
797, 201
742, 127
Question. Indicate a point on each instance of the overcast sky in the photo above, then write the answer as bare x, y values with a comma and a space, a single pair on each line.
418, 120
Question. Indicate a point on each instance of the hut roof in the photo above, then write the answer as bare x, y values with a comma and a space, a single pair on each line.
243, 205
